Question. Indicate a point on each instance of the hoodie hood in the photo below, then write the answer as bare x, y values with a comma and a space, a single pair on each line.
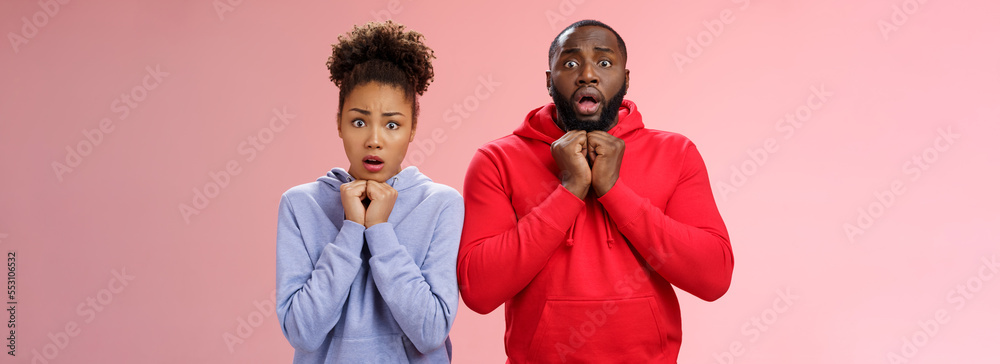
406, 178
540, 123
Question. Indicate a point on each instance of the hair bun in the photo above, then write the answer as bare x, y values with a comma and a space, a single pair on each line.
389, 42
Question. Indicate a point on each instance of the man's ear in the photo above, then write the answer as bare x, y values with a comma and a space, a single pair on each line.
548, 81
626, 81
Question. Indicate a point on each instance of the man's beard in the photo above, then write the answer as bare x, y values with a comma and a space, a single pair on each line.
565, 113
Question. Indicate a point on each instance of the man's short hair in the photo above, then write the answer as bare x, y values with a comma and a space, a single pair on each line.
584, 23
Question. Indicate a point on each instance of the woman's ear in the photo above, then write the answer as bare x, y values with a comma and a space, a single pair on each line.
413, 132
340, 133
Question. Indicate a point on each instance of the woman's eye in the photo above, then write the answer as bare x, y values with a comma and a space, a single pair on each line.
570, 64
604, 63
358, 123
392, 125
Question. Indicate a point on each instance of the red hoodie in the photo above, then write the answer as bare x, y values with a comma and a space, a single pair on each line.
591, 280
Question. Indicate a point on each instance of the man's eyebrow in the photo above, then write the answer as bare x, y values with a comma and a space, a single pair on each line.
597, 48
571, 50
604, 49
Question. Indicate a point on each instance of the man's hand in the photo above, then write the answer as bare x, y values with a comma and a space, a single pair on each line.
570, 153
605, 152
383, 198
351, 194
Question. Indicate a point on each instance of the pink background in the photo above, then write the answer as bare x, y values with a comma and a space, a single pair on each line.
198, 282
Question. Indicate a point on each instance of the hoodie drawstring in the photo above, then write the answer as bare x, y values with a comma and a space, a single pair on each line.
607, 228
582, 218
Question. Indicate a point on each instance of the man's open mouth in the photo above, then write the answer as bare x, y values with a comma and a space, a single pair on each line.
588, 101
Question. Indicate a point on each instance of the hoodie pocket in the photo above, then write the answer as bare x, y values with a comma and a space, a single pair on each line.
600, 331
378, 349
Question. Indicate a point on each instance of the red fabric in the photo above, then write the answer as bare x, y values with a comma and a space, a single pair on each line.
591, 280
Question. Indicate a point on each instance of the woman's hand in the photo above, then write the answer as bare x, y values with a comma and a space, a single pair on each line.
383, 198
351, 194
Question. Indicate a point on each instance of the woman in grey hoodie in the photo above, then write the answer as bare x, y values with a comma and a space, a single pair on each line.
366, 256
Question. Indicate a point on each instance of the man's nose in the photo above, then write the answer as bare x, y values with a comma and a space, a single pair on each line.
587, 75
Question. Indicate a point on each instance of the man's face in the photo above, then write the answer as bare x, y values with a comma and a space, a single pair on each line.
587, 79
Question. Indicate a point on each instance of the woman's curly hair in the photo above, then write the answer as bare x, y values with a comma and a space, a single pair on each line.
385, 53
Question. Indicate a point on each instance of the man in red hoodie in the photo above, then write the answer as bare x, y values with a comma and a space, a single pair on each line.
583, 221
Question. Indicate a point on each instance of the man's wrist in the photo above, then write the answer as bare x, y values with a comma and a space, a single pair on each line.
580, 190
602, 190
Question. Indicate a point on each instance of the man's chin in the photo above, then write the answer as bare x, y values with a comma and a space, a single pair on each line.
587, 121
591, 118
587, 126
572, 119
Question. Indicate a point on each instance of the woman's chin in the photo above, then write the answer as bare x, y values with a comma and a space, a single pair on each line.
381, 175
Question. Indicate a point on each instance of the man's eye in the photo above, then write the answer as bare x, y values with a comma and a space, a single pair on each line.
570, 64
604, 63
392, 125
358, 123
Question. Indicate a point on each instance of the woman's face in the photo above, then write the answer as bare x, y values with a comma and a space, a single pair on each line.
376, 125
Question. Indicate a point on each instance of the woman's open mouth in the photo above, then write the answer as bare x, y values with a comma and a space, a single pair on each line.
373, 163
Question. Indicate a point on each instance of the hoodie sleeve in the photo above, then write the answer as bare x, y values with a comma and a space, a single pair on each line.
501, 252
686, 241
423, 299
311, 295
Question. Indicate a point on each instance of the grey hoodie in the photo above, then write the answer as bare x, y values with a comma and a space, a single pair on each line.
386, 294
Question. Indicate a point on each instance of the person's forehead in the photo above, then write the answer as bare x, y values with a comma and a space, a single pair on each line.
588, 36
